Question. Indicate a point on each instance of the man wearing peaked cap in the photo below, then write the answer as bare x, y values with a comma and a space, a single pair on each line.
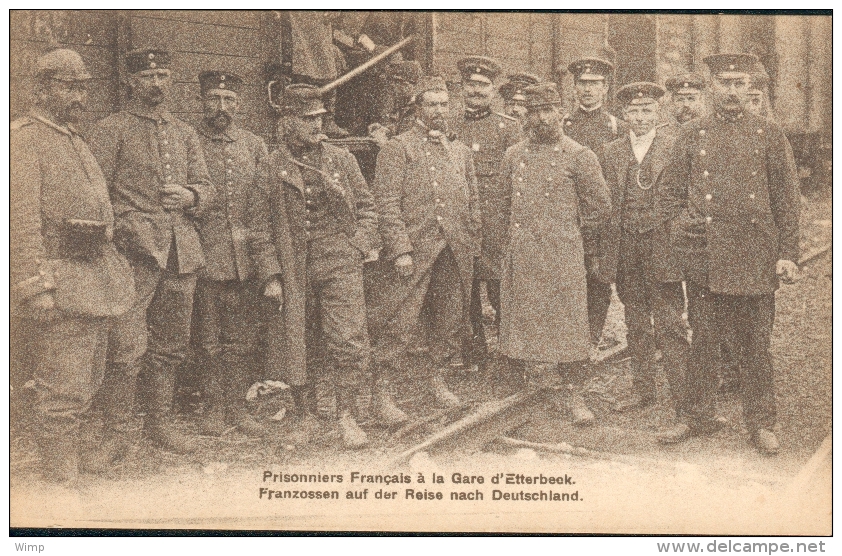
426, 198
313, 226
159, 187
635, 246
488, 134
592, 126
732, 188
512, 93
559, 203
228, 295
687, 100
69, 285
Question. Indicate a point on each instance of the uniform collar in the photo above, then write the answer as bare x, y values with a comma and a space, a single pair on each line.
229, 135
159, 113
590, 110
39, 115
730, 118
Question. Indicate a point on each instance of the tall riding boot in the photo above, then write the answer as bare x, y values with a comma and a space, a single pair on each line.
353, 437
384, 409
236, 386
441, 392
644, 392
213, 419
159, 424
580, 412
117, 394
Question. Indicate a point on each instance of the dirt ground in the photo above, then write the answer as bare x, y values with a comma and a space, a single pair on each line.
716, 484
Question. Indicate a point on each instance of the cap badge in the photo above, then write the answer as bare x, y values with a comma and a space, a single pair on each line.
153, 65
222, 85
686, 85
731, 66
640, 93
222, 78
151, 56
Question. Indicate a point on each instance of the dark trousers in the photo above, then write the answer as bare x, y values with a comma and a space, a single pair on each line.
653, 317
599, 299
748, 320
337, 335
437, 302
229, 327
160, 319
480, 345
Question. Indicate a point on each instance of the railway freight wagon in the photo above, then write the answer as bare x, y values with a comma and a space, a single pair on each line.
795, 50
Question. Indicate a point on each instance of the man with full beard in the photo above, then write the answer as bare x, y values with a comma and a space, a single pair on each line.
686, 96
559, 204
159, 185
228, 296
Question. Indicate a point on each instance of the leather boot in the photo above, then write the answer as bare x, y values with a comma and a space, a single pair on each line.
245, 422
118, 394
384, 409
441, 392
160, 385
303, 425
353, 437
60, 458
765, 441
580, 412
213, 420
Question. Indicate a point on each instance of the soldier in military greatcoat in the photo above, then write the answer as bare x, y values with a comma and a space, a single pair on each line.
429, 219
686, 96
488, 134
559, 204
228, 296
69, 285
155, 170
591, 125
313, 224
732, 189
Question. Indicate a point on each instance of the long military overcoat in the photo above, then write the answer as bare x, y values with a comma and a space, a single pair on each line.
488, 137
732, 188
559, 200
278, 213
426, 196
617, 159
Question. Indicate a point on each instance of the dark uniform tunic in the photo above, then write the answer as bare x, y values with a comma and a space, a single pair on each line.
312, 224
228, 297
559, 204
594, 129
488, 134
733, 187
426, 197
54, 178
635, 253
140, 149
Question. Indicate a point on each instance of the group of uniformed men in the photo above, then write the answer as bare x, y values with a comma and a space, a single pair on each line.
112, 240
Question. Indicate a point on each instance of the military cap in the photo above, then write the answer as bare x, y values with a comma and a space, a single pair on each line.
478, 68
62, 64
220, 80
540, 95
303, 100
642, 92
429, 83
147, 59
405, 70
684, 82
591, 69
513, 90
730, 65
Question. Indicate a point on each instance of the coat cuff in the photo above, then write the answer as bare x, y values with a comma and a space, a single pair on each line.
43, 282
401, 247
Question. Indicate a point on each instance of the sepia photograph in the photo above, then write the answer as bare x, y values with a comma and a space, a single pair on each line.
499, 272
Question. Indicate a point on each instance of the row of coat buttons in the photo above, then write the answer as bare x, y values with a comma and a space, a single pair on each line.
166, 154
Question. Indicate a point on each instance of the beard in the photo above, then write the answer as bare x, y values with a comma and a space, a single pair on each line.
220, 120
153, 96
73, 112
438, 124
684, 115
544, 133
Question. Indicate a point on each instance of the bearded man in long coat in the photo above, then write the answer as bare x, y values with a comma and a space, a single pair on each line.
559, 203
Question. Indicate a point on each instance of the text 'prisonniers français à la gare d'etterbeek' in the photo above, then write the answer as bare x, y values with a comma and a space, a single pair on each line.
357, 485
